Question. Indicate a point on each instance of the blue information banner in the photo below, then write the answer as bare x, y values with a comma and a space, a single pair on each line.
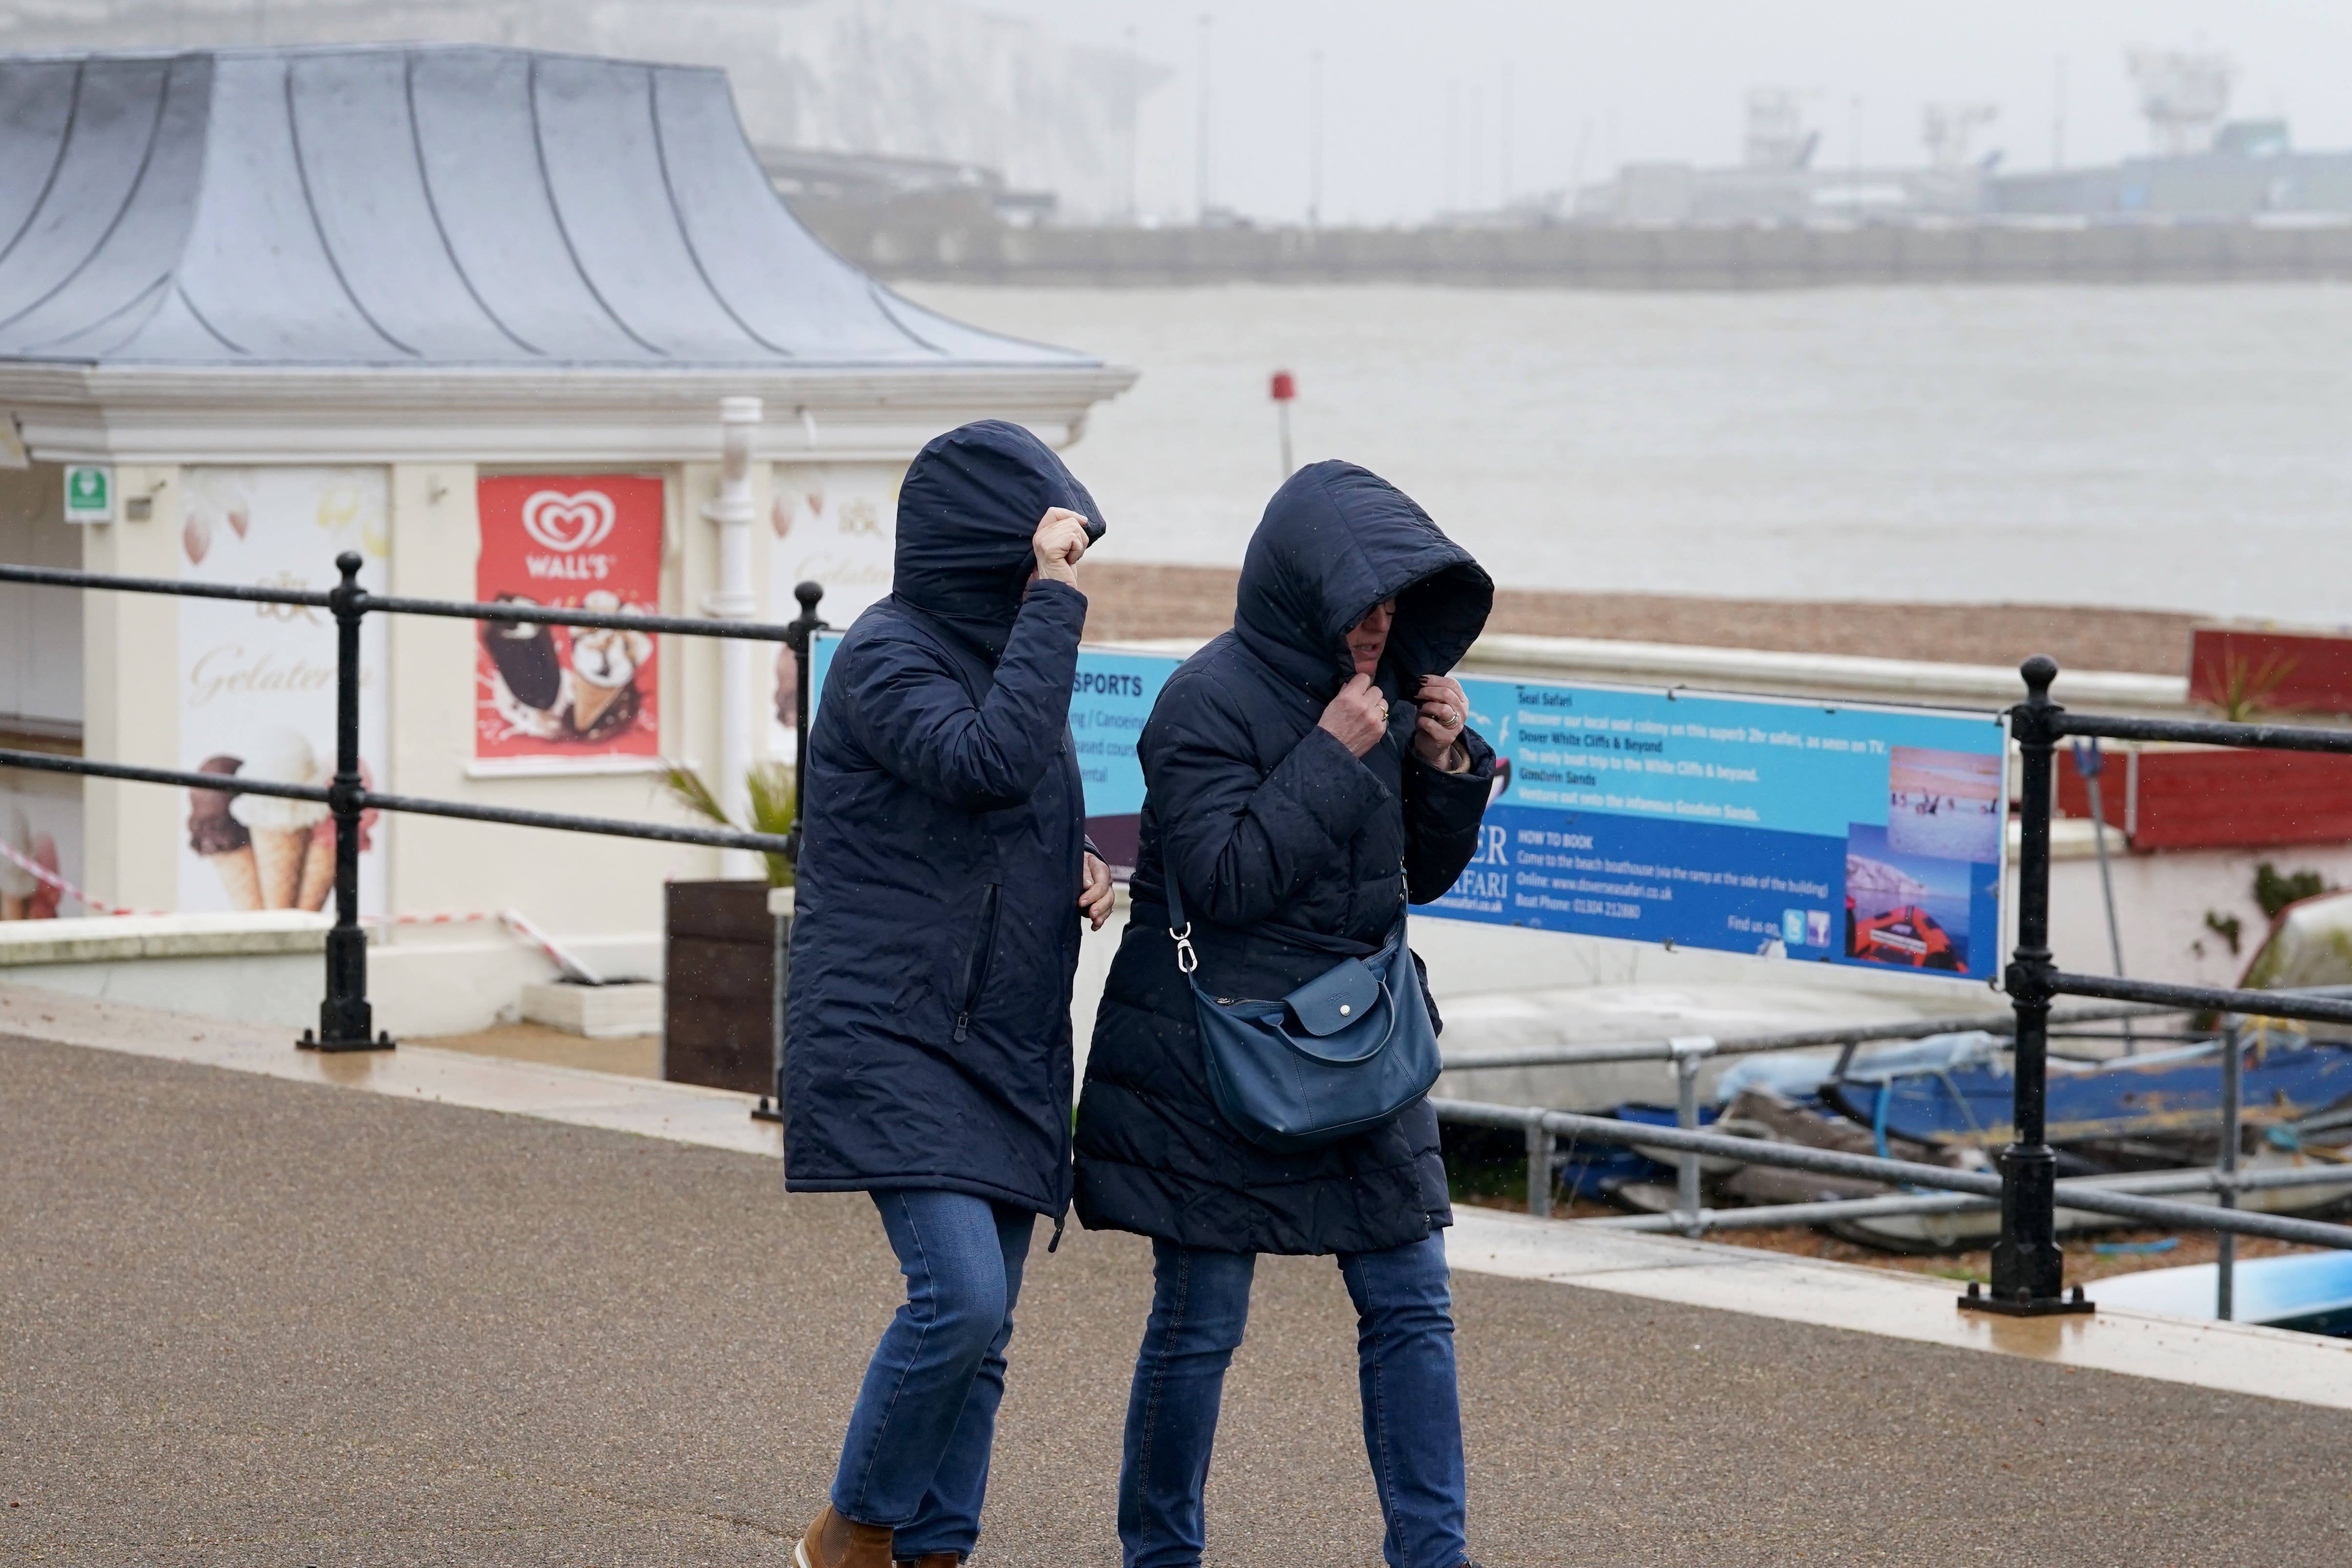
1849, 835
1853, 834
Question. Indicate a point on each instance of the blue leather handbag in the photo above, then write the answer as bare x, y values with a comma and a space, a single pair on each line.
1348, 1050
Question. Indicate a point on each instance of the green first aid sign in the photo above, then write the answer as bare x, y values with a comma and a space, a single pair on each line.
89, 493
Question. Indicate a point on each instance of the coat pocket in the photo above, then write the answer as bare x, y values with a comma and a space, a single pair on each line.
976, 966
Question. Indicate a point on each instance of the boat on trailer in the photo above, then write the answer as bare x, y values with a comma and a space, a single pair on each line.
2156, 1094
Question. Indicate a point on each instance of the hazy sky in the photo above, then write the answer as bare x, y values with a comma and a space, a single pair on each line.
1633, 79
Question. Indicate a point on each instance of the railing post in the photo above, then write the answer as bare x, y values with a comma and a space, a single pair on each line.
2225, 1261
1540, 1144
800, 636
1690, 1055
2029, 1270
346, 1021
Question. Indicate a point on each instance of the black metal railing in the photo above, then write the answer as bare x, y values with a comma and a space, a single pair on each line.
2027, 1264
346, 1018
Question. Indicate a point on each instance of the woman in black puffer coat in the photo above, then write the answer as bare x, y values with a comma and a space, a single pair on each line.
1304, 773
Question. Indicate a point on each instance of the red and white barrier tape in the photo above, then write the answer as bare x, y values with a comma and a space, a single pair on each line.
41, 873
515, 921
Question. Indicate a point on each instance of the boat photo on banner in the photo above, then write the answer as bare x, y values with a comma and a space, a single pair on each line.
1849, 834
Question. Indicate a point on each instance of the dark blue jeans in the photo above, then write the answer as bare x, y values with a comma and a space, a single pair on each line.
916, 1455
1405, 1361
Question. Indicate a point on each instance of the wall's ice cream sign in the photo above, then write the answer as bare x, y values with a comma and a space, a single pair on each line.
590, 543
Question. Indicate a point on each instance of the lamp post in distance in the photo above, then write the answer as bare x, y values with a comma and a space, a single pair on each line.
1284, 389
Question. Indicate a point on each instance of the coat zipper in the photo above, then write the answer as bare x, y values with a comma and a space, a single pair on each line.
976, 969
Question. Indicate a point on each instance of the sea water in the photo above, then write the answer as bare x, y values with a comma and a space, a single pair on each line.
2173, 447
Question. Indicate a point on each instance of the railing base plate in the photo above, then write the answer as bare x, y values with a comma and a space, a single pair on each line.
2071, 1304
311, 1042
768, 1110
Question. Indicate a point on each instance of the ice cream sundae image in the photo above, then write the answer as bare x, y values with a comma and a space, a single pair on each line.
282, 830
225, 843
788, 687
604, 663
23, 895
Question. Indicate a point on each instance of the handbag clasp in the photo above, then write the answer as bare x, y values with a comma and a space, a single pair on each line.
1186, 960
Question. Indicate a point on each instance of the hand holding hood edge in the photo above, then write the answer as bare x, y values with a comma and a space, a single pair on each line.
971, 502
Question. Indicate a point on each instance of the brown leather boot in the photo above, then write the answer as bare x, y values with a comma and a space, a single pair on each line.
834, 1541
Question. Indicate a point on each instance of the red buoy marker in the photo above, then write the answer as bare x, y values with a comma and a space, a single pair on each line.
1285, 388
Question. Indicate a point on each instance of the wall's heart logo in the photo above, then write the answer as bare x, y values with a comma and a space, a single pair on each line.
568, 522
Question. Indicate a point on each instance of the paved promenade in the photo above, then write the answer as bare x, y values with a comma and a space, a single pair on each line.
247, 1320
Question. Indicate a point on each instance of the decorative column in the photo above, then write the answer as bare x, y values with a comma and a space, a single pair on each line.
734, 600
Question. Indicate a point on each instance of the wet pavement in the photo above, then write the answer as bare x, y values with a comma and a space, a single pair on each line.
249, 1319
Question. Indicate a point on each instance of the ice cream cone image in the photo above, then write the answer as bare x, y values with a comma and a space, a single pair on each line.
277, 857
589, 701
240, 877
605, 664
318, 868
224, 842
281, 830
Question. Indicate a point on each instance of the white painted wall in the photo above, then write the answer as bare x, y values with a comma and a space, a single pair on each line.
40, 628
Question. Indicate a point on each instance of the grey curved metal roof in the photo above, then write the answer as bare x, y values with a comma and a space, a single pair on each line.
419, 205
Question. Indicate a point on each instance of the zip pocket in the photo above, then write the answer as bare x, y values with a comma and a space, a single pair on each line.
975, 968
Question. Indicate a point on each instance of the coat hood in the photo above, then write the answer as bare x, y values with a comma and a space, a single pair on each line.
967, 511
1336, 539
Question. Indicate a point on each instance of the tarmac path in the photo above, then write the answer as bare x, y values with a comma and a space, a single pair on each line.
247, 1320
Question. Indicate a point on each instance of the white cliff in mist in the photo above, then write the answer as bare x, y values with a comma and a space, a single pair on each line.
917, 78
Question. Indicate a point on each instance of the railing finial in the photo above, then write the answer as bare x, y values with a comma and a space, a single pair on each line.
2039, 671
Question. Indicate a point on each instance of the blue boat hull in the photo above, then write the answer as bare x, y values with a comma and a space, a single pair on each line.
2173, 1092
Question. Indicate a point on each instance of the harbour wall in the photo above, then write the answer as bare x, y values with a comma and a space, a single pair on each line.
1587, 258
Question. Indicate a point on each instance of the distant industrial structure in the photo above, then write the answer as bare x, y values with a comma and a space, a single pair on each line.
2201, 166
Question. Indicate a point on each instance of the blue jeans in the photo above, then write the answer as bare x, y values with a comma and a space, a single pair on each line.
1405, 1361
915, 1458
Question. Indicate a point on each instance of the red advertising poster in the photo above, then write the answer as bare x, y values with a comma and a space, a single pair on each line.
594, 542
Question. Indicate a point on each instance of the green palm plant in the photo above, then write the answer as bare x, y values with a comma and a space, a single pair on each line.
2244, 688
768, 789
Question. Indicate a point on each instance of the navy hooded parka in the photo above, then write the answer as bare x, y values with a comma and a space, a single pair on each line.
936, 926
1291, 852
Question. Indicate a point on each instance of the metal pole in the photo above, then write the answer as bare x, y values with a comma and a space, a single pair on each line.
1540, 1152
2090, 764
800, 636
1690, 1054
2028, 1268
732, 510
2225, 1272
346, 1021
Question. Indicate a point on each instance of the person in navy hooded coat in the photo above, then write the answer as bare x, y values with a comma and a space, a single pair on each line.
1305, 774
942, 872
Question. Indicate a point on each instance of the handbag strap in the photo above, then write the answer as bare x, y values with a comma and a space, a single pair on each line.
1180, 929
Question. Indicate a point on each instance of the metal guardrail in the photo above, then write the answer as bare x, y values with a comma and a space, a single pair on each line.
1905, 1205
1904, 1172
346, 1019
1664, 1050
2028, 1267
